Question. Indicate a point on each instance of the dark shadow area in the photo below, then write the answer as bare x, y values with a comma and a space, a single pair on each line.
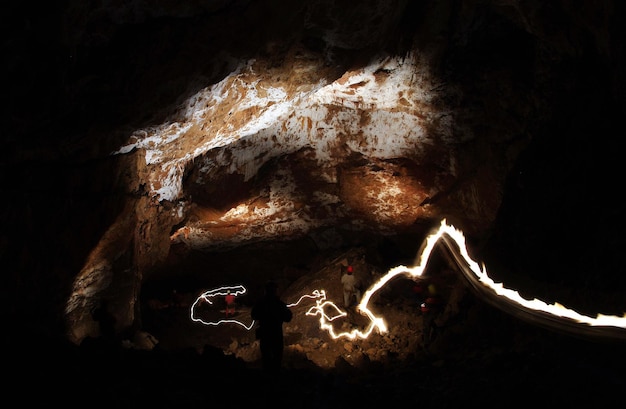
501, 357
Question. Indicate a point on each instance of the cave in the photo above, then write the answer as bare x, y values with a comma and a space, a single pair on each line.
157, 154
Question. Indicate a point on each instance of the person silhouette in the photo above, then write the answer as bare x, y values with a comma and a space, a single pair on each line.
271, 312
106, 322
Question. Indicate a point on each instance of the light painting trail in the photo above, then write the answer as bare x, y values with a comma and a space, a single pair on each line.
556, 309
315, 294
221, 292
541, 312
473, 272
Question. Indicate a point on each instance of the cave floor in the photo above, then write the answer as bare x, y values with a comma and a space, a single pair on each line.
489, 359
485, 358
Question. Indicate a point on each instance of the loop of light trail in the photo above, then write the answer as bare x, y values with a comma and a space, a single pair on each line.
550, 315
315, 294
206, 296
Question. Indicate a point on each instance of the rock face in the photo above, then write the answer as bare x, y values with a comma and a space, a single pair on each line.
291, 143
234, 141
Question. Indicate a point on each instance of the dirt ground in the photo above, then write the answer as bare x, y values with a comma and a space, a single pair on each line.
481, 356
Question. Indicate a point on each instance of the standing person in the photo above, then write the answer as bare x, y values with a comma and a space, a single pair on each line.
230, 303
106, 321
431, 307
418, 292
271, 312
351, 287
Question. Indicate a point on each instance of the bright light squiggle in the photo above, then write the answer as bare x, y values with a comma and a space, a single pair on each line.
315, 294
535, 304
466, 263
375, 322
326, 320
206, 296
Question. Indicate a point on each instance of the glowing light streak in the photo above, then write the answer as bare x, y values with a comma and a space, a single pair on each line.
326, 320
206, 297
556, 309
467, 264
314, 294
322, 305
